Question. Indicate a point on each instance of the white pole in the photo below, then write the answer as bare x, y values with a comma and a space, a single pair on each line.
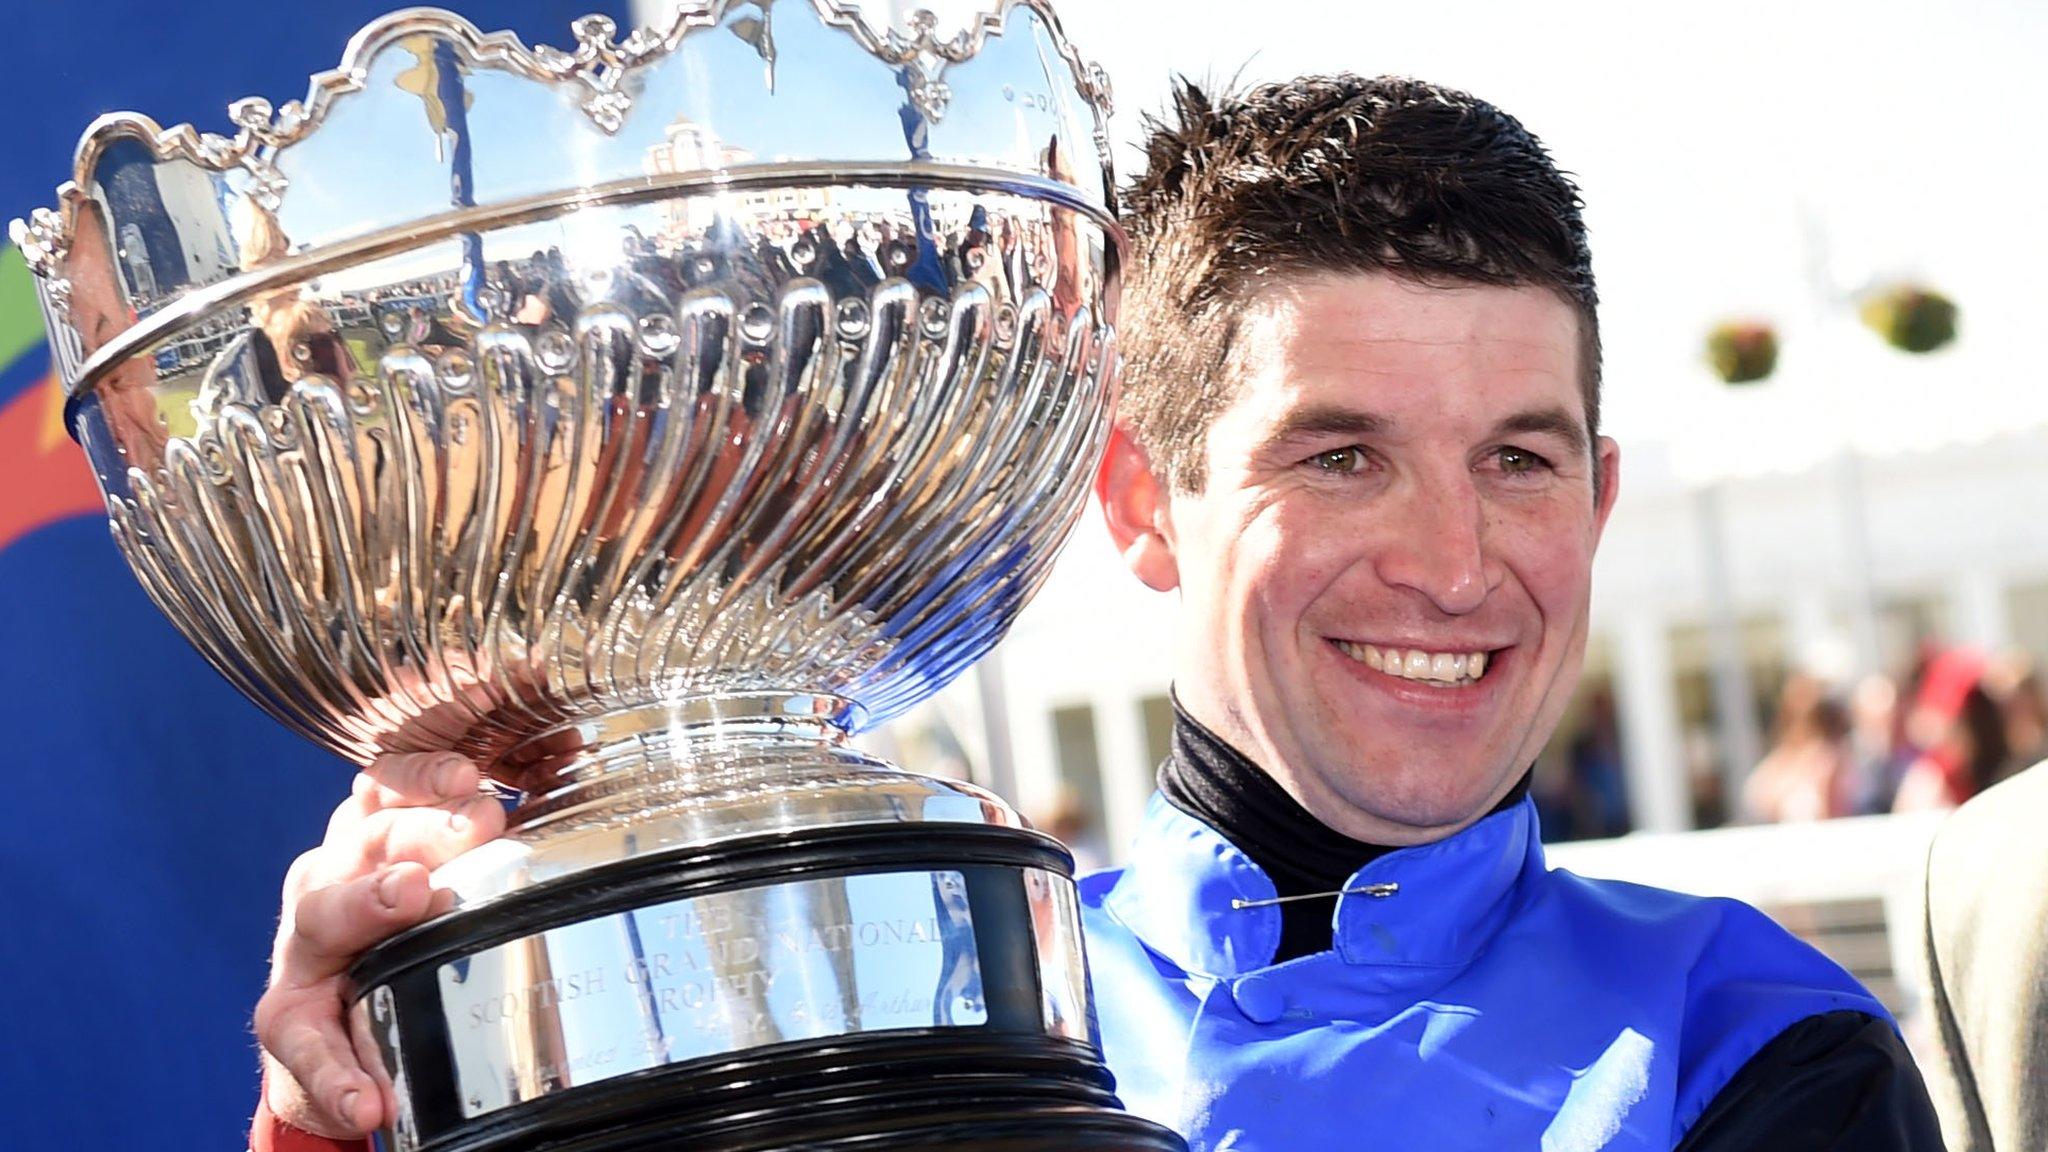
999, 767
1978, 615
1862, 590
1659, 794
1734, 701
1127, 767
1830, 301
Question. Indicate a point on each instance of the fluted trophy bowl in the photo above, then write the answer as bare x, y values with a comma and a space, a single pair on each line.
641, 419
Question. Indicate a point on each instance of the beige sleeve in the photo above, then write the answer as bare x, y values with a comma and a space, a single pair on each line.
1985, 937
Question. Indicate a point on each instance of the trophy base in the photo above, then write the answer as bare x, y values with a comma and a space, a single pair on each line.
851, 987
909, 1092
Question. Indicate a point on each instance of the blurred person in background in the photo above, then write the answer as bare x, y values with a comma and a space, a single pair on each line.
1873, 735
1808, 772
2016, 684
1599, 779
1703, 779
1914, 728
1069, 822
1961, 732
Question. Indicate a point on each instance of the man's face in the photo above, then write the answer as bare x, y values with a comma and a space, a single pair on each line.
1385, 577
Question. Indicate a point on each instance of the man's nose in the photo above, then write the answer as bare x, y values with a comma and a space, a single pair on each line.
1436, 546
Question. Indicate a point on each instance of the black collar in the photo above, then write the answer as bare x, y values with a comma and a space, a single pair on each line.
1220, 786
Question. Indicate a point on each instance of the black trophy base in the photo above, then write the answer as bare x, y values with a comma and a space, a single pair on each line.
899, 1092
1009, 1083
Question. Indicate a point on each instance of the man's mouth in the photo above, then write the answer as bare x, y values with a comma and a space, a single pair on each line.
1440, 669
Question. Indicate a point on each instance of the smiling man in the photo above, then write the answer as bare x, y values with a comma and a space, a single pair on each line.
1360, 440
1386, 566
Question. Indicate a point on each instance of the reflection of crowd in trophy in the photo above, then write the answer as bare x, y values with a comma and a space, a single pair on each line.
301, 335
1007, 259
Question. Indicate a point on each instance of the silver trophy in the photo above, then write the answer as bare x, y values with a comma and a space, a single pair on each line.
641, 419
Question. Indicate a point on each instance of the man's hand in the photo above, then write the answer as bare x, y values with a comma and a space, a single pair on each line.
367, 881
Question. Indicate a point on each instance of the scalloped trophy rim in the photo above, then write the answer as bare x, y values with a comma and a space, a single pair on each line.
599, 63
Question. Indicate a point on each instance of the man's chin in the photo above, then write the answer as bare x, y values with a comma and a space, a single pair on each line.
1421, 814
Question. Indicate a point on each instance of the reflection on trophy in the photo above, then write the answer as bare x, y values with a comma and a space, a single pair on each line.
641, 420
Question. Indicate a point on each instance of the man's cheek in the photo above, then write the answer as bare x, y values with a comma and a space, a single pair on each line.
1300, 551
1553, 559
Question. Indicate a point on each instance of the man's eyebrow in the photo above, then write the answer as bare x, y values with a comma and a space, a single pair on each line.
1546, 422
1328, 419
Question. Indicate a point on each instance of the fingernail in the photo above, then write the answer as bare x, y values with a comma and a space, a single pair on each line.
388, 889
349, 1099
457, 822
446, 773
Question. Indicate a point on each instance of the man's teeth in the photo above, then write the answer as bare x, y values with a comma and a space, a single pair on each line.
1415, 664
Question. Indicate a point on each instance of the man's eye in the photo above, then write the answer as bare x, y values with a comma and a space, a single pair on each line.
1339, 460
1521, 462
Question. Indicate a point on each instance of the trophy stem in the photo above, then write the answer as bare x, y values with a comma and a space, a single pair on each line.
677, 753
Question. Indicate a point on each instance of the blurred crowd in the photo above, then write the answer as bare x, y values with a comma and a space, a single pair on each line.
1953, 723
1956, 723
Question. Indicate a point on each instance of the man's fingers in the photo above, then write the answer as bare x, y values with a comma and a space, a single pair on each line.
329, 927
358, 846
424, 777
407, 779
317, 1081
407, 814
428, 836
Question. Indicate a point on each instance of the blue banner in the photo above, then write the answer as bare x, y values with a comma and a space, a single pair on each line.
150, 811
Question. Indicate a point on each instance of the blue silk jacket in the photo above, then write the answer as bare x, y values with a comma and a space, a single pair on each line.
1482, 1001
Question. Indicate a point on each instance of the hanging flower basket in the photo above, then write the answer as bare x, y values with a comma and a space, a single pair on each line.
1911, 318
1742, 351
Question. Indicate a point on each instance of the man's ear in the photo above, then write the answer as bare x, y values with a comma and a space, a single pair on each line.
1135, 506
1607, 459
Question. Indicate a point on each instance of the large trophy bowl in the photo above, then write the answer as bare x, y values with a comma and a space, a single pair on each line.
640, 420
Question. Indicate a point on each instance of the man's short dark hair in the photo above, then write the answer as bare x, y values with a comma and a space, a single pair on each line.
1325, 174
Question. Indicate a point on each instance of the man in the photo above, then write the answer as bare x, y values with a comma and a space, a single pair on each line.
1360, 440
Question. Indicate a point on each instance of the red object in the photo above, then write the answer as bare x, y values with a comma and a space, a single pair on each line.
43, 474
1949, 678
269, 1134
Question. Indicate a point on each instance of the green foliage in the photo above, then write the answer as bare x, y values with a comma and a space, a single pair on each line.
1742, 351
21, 321
1911, 318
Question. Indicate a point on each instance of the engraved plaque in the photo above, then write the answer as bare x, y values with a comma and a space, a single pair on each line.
708, 976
